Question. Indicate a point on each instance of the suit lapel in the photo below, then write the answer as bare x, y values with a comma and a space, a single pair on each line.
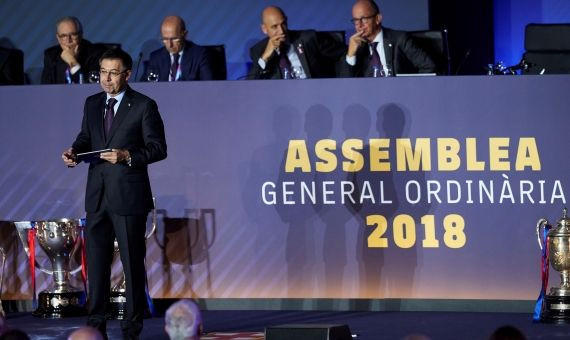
299, 48
122, 113
185, 62
388, 48
100, 117
165, 65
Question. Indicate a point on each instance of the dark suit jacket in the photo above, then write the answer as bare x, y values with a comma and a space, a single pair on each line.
137, 127
195, 64
54, 66
315, 52
402, 55
11, 66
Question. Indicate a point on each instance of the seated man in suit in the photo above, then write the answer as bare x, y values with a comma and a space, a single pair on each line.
378, 51
179, 59
287, 54
71, 61
11, 67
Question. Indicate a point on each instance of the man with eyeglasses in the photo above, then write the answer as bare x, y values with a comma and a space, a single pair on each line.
289, 54
375, 51
179, 59
118, 196
73, 58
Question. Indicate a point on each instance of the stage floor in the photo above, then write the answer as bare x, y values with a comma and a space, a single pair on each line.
367, 325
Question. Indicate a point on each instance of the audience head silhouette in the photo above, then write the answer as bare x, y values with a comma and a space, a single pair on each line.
183, 320
507, 333
85, 333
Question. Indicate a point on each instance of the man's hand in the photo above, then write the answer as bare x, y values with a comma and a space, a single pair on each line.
69, 158
69, 55
116, 156
355, 41
273, 44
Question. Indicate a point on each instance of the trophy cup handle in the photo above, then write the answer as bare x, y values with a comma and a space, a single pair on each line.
153, 228
3, 255
539, 225
22, 227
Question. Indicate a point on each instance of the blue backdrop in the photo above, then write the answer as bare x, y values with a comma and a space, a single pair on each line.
274, 188
511, 17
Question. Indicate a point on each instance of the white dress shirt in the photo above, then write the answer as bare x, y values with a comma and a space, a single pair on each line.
380, 48
297, 70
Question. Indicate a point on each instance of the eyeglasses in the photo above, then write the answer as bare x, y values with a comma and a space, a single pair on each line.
363, 20
73, 35
113, 74
173, 40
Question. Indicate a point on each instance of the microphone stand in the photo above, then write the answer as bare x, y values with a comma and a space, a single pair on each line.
138, 66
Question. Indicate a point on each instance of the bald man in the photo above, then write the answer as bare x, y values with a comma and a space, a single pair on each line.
288, 54
393, 50
179, 59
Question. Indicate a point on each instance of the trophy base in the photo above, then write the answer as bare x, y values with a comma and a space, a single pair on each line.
556, 310
60, 305
117, 305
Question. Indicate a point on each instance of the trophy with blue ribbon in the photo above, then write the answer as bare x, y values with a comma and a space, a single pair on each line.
554, 242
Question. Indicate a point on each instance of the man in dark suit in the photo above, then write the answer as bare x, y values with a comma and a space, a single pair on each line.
118, 195
179, 59
73, 58
11, 66
286, 54
378, 51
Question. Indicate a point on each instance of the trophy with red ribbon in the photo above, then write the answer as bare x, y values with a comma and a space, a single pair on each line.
59, 239
554, 242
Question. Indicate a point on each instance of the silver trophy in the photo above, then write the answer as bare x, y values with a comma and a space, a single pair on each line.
3, 254
118, 299
58, 239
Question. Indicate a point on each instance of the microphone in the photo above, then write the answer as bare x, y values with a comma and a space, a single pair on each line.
463, 61
138, 65
446, 51
523, 65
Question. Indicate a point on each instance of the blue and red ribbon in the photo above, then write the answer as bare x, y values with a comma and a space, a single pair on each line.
83, 254
544, 265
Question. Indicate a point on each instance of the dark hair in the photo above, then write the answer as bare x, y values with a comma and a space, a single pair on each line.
117, 53
507, 333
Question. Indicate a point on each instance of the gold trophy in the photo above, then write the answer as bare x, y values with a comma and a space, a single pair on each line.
556, 308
